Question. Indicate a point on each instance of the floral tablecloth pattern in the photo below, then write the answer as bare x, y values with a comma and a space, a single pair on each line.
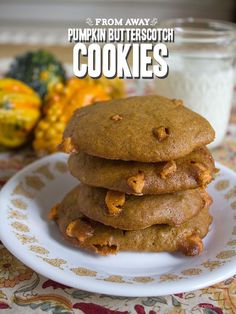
24, 291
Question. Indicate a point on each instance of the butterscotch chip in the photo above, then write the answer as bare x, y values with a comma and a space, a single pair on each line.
105, 249
206, 198
178, 102
161, 133
79, 229
137, 182
105, 240
67, 146
113, 174
154, 130
139, 212
52, 215
203, 175
168, 169
114, 200
116, 117
192, 245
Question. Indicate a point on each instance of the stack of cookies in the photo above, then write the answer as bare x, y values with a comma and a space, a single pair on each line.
143, 167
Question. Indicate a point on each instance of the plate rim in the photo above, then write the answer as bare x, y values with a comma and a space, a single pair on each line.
110, 288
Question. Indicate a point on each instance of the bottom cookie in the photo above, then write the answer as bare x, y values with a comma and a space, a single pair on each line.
83, 232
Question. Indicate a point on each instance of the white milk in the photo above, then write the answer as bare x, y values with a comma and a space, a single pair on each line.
206, 86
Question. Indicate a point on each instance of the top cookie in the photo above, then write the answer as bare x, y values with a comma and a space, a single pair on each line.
142, 128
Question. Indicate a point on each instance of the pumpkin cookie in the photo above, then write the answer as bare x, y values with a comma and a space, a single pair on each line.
132, 177
130, 212
85, 233
143, 128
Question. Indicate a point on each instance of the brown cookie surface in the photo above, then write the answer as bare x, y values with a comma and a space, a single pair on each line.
141, 128
131, 177
139, 212
85, 233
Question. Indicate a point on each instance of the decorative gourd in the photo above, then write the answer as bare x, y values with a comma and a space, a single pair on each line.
19, 112
38, 69
59, 105
115, 87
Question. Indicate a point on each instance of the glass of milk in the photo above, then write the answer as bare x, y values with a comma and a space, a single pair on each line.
202, 69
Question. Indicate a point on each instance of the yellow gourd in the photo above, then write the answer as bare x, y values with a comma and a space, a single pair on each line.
19, 112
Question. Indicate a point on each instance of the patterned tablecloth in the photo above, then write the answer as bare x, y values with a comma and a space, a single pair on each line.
24, 291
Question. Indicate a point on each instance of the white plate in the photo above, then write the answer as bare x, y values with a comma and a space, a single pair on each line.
26, 232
